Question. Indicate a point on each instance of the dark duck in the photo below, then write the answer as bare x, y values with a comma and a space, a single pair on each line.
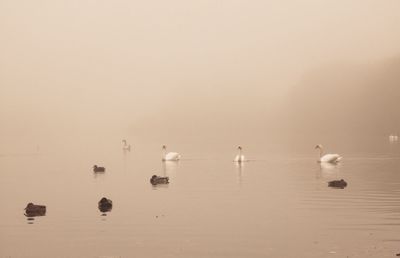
105, 204
33, 210
337, 184
98, 169
155, 180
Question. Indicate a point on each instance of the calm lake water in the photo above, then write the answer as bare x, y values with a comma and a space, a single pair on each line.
272, 206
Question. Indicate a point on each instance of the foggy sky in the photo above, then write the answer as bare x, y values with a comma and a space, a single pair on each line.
170, 68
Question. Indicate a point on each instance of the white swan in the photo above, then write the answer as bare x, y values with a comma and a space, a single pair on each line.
327, 158
126, 147
170, 156
239, 158
393, 138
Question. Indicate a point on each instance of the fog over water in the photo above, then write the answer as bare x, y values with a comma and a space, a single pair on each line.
178, 71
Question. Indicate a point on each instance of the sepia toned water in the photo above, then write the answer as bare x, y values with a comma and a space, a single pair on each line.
275, 205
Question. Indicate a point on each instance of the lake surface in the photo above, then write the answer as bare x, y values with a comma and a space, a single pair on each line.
272, 206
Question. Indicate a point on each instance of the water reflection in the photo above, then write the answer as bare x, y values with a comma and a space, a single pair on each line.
98, 175
170, 169
124, 160
30, 220
328, 170
239, 171
393, 138
192, 210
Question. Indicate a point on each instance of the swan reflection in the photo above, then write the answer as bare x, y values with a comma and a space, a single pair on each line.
170, 169
239, 171
328, 167
328, 170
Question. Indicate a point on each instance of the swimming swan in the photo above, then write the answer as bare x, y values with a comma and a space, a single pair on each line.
126, 147
327, 158
170, 156
239, 158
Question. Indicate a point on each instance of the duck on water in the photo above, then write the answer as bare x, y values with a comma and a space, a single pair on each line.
33, 210
155, 180
98, 169
337, 184
105, 205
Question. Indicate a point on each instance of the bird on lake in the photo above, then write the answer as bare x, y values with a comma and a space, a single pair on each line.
155, 180
98, 169
337, 184
126, 147
170, 156
240, 157
105, 204
328, 158
33, 210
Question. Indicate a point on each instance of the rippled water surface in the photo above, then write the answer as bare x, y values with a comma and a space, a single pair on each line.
271, 206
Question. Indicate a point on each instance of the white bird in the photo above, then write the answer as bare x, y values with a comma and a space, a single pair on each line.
170, 156
126, 147
393, 138
239, 158
327, 158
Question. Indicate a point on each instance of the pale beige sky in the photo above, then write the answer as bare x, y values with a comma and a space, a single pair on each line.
66, 64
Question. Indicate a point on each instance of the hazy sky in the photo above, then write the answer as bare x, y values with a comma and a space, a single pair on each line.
144, 65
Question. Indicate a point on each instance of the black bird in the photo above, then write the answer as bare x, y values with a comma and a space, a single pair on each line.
98, 169
105, 204
155, 180
337, 184
33, 210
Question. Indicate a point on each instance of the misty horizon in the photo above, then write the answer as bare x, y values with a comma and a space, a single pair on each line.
166, 70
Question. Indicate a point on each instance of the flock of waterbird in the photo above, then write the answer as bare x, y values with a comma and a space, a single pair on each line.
105, 205
175, 156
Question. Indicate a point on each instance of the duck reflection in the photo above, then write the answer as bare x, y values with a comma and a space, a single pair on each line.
99, 175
